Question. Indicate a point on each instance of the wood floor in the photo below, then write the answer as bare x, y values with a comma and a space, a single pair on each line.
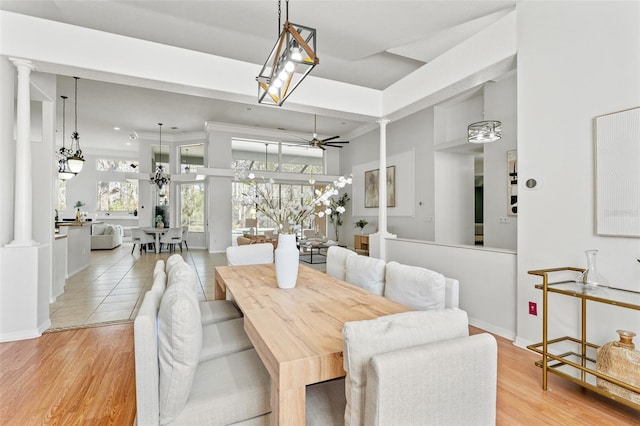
87, 376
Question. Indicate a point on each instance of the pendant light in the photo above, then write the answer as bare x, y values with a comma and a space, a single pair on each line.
484, 131
63, 167
160, 178
76, 161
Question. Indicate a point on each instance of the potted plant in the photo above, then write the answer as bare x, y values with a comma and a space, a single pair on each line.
338, 206
159, 221
361, 224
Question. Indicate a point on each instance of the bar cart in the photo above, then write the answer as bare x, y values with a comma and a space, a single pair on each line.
579, 366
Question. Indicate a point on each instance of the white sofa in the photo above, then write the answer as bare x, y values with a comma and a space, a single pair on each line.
105, 236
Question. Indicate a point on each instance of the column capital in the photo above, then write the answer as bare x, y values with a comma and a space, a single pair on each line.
22, 63
383, 122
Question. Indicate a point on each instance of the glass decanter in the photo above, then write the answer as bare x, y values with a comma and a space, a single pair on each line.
591, 278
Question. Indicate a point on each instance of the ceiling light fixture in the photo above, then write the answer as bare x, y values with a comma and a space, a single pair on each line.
160, 178
76, 160
63, 167
291, 59
484, 131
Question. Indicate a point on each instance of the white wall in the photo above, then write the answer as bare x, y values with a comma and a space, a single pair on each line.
576, 60
500, 104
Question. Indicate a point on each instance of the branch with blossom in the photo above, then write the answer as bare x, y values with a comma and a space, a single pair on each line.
290, 213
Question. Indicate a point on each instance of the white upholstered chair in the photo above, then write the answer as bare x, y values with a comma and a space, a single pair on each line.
417, 287
185, 236
251, 254
366, 272
172, 237
413, 368
336, 261
138, 236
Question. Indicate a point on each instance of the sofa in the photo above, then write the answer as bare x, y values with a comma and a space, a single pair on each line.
105, 236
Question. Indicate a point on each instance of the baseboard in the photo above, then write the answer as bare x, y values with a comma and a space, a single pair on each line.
523, 343
502, 332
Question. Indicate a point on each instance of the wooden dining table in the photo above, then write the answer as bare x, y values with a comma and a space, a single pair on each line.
298, 332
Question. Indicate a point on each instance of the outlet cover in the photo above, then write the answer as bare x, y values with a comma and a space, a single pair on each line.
533, 308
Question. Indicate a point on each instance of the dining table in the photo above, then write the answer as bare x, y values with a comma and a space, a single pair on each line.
157, 232
297, 332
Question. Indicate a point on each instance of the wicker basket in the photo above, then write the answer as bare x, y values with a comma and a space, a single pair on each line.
620, 361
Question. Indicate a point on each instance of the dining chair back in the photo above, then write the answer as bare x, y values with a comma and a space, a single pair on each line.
185, 236
172, 237
251, 254
366, 272
138, 236
336, 261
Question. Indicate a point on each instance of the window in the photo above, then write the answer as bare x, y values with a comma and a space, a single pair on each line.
118, 196
62, 195
249, 154
107, 165
191, 157
192, 206
284, 191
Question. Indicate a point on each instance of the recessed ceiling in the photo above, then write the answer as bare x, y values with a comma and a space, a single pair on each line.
366, 43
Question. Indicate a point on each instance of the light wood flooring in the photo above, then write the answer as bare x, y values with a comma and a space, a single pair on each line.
87, 376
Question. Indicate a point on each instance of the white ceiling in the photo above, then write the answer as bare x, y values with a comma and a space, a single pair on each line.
367, 43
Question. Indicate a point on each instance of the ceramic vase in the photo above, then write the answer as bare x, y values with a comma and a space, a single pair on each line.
160, 225
287, 257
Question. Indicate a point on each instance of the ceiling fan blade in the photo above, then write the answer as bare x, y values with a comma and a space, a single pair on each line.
322, 147
332, 146
330, 139
337, 142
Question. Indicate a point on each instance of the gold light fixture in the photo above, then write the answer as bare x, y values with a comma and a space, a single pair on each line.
76, 160
291, 59
160, 177
63, 167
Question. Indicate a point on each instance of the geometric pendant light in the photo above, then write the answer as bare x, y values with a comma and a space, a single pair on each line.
160, 177
291, 59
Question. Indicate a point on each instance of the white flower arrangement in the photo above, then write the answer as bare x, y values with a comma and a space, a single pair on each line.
290, 213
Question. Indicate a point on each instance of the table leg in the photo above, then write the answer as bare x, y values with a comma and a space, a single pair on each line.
220, 292
157, 242
288, 405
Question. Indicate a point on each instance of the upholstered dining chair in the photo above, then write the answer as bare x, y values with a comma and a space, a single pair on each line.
185, 237
172, 237
336, 261
138, 236
366, 272
250, 254
413, 368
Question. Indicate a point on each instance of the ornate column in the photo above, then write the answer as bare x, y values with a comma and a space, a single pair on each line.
23, 210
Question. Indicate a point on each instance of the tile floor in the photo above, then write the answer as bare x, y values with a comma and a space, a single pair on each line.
111, 289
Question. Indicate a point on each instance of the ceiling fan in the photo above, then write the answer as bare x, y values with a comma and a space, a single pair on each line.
321, 143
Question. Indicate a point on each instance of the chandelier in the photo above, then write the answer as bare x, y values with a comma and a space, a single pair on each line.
160, 177
289, 62
75, 160
63, 167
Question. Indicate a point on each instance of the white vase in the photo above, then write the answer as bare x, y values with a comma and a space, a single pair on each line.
287, 258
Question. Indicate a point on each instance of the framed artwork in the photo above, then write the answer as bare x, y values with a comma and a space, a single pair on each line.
512, 183
371, 187
617, 172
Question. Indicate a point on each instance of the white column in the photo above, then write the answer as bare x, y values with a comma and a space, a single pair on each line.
377, 245
382, 182
23, 210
